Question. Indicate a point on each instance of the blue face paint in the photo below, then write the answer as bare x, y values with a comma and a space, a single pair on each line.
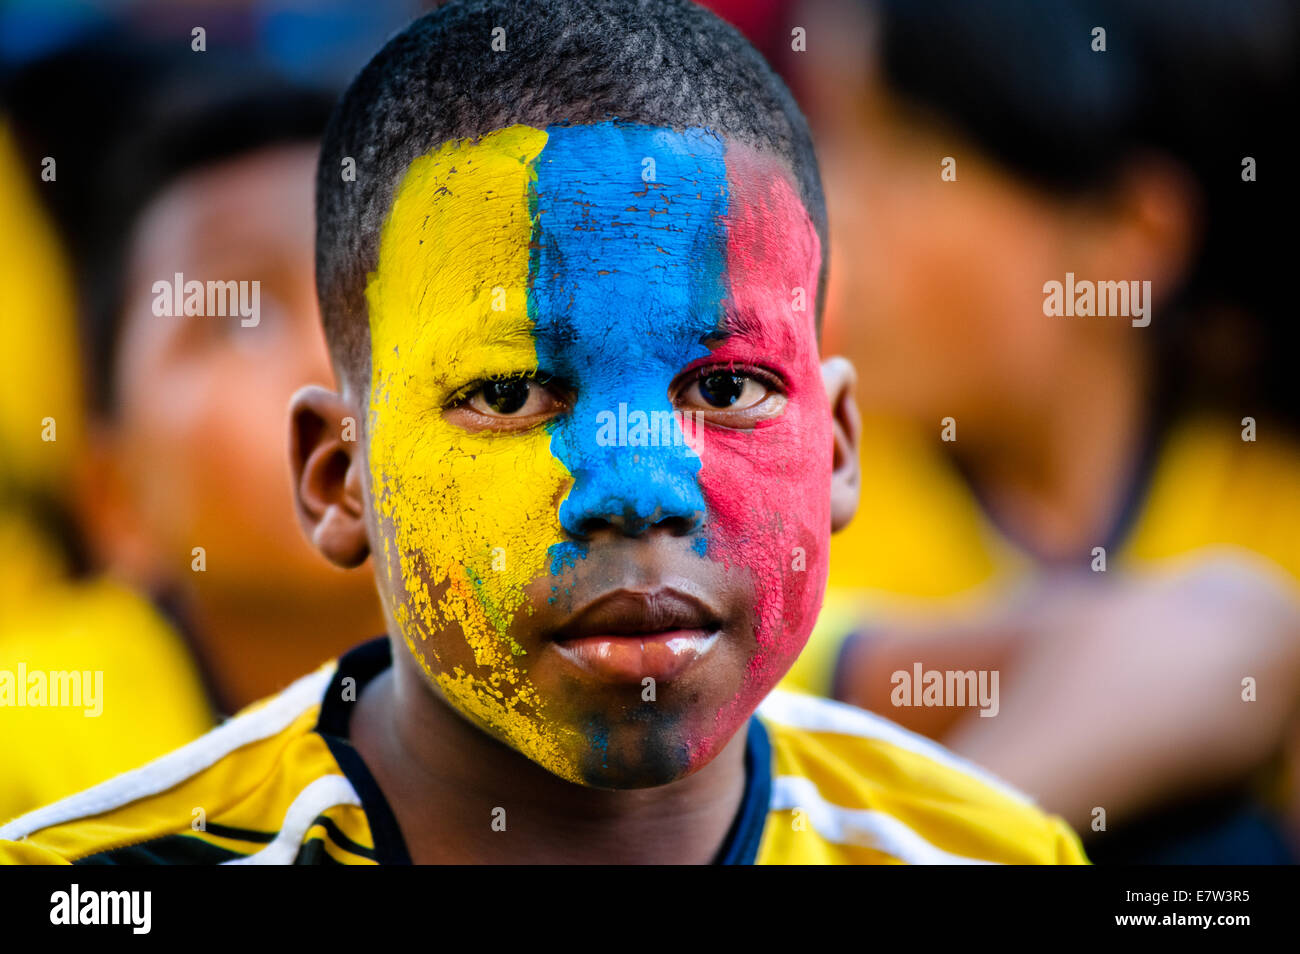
628, 277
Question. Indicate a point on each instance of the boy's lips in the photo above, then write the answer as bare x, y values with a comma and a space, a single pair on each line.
629, 635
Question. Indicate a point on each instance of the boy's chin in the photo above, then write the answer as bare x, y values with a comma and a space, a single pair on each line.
644, 755
633, 777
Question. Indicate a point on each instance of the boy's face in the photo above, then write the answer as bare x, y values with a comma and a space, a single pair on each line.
599, 444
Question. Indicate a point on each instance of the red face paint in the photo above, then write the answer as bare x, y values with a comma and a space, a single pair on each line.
768, 489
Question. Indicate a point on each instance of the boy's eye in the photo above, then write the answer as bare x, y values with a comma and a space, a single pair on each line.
506, 397
514, 403
731, 397
721, 389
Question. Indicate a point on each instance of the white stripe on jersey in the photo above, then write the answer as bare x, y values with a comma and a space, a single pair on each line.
815, 714
323, 793
864, 828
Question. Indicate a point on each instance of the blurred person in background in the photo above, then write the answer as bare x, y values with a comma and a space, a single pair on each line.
1121, 690
202, 595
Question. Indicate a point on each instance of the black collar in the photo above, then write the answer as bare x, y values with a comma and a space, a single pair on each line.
356, 669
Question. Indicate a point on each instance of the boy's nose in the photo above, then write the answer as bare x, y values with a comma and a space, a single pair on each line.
631, 524
631, 497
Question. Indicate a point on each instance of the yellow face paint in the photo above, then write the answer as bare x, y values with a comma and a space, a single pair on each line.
466, 518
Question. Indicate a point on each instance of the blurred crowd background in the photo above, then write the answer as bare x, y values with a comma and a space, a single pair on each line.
1107, 516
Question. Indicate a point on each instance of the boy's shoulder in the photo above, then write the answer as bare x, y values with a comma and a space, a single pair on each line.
264, 787
849, 786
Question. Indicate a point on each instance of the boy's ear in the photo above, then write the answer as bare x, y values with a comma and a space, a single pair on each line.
839, 378
325, 453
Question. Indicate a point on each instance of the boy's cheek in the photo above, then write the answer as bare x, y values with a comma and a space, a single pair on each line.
473, 515
464, 524
768, 492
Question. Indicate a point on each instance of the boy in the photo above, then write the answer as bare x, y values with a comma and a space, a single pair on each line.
570, 223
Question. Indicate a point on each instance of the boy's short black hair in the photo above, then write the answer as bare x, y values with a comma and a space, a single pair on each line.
654, 62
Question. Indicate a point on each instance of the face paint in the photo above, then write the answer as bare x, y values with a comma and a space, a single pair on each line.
466, 519
627, 279
768, 489
565, 252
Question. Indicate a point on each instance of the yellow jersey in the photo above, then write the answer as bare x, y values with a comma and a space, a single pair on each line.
281, 784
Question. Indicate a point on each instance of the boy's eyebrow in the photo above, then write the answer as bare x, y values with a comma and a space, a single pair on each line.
492, 333
496, 329
555, 334
510, 333
779, 336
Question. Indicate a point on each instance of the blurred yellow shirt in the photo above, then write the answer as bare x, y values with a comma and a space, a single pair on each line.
41, 421
138, 693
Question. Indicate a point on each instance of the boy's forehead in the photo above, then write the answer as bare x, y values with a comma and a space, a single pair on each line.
573, 230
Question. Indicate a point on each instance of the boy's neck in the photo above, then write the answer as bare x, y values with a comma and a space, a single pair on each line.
445, 778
